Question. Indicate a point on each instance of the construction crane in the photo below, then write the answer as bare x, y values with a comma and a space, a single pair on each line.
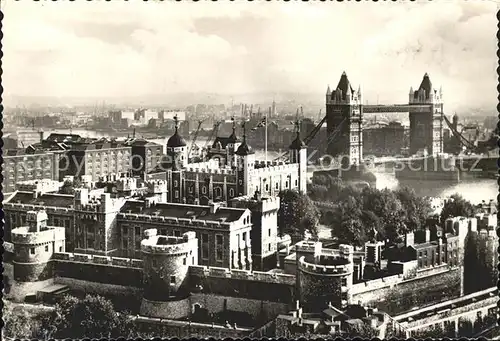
329, 139
193, 142
214, 133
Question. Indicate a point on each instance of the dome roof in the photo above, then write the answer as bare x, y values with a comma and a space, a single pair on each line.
232, 138
244, 149
176, 140
297, 143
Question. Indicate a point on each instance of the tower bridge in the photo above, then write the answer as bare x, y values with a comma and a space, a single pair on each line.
344, 117
343, 142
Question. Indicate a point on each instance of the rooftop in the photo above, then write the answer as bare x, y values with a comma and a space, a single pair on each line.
47, 199
224, 214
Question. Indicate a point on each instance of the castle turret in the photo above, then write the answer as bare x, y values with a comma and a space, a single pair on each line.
324, 277
298, 154
426, 125
177, 154
345, 123
166, 264
245, 164
34, 245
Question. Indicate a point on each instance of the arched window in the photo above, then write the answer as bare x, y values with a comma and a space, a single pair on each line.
218, 191
231, 192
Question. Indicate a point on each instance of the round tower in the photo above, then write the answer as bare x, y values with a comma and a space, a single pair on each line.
326, 277
34, 246
166, 264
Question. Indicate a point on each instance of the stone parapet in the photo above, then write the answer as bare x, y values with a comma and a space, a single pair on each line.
95, 259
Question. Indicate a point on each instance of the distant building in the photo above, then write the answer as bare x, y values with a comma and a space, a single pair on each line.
21, 166
384, 140
97, 159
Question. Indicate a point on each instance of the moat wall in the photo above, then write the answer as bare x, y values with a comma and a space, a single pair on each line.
395, 295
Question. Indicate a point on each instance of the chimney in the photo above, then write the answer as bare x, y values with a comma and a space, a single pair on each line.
213, 207
409, 239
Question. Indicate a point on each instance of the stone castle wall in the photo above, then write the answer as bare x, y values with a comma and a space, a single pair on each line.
395, 295
98, 269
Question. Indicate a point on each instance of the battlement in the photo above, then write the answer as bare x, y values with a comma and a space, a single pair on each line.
220, 171
308, 246
168, 244
265, 204
320, 269
187, 222
258, 276
95, 259
22, 235
282, 168
156, 186
31, 207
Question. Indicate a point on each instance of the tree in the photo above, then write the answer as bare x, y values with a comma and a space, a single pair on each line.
359, 329
417, 209
69, 186
457, 206
297, 214
90, 317
347, 226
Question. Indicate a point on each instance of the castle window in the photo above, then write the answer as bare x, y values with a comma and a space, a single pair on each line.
296, 182
218, 247
184, 260
177, 233
172, 279
125, 244
46, 248
176, 194
176, 183
269, 247
218, 192
269, 232
286, 184
137, 230
231, 192
190, 189
277, 185
204, 246
32, 250
241, 182
60, 249
204, 190
267, 187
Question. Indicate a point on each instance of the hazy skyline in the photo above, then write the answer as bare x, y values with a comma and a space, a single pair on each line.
133, 48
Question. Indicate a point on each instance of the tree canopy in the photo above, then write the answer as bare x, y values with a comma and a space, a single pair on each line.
69, 186
90, 317
457, 206
297, 214
390, 214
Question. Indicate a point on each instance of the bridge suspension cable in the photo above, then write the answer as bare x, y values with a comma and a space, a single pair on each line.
458, 135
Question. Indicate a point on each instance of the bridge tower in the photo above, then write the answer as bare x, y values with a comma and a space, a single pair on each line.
344, 124
426, 128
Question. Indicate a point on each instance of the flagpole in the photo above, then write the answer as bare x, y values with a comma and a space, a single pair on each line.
265, 142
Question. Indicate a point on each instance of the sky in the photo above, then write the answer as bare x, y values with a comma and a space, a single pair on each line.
135, 48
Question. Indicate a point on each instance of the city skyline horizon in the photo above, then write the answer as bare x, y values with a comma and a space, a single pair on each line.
212, 50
